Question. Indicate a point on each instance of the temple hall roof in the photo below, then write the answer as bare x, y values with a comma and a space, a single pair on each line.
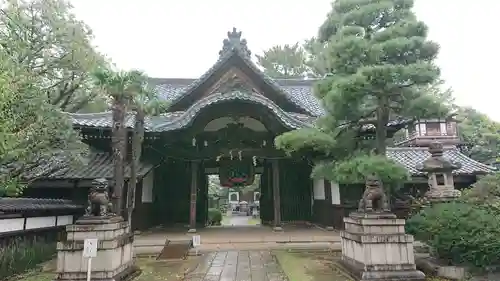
299, 91
98, 165
291, 100
16, 205
410, 157
181, 119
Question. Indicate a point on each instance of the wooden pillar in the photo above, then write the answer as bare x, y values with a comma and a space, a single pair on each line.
328, 198
194, 191
276, 196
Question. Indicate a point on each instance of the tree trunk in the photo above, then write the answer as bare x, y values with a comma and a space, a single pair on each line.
119, 145
137, 141
381, 128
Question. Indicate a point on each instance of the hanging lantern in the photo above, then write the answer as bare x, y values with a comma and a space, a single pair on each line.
236, 173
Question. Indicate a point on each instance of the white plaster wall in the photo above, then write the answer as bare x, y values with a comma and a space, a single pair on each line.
335, 190
64, 220
147, 188
40, 222
8, 225
319, 189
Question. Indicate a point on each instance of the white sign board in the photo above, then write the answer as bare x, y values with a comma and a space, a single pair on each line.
90, 248
196, 241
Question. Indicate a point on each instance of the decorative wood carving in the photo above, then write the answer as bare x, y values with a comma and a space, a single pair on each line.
233, 80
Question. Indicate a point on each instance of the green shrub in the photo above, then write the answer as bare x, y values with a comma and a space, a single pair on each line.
24, 253
214, 216
485, 193
459, 233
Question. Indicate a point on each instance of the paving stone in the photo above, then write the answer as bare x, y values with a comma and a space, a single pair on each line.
238, 266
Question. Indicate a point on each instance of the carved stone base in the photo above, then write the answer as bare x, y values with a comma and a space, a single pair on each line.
375, 247
115, 257
99, 220
442, 195
278, 229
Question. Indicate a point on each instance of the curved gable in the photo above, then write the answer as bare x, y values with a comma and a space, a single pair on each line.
235, 60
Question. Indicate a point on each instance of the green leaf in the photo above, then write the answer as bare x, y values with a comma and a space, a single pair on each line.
307, 138
356, 169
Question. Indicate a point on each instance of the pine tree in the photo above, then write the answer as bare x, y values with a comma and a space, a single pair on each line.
381, 67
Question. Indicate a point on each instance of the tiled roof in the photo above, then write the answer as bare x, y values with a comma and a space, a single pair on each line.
99, 165
104, 120
11, 205
410, 157
299, 91
181, 119
292, 121
56, 161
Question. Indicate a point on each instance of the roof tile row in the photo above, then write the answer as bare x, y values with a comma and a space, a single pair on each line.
410, 157
99, 165
14, 205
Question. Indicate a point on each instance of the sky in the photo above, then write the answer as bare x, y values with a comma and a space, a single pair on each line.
181, 39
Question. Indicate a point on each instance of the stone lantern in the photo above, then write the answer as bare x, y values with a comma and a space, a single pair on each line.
440, 175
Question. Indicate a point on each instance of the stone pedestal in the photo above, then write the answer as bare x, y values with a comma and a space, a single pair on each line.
375, 247
115, 258
442, 194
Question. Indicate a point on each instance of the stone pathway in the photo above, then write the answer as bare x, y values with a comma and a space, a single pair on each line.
237, 220
238, 266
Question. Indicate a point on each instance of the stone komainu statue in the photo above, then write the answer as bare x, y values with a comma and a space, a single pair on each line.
374, 198
99, 204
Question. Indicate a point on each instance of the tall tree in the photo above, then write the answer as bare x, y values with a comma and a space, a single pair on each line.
144, 101
120, 87
316, 60
128, 91
45, 37
481, 133
36, 138
295, 61
287, 61
381, 67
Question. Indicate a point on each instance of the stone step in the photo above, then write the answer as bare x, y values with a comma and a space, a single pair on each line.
205, 248
175, 250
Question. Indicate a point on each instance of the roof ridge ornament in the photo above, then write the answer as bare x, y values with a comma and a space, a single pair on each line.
234, 41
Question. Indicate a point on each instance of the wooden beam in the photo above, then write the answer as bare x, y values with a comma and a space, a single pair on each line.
194, 191
276, 195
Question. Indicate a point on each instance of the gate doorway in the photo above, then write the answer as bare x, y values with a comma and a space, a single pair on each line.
236, 206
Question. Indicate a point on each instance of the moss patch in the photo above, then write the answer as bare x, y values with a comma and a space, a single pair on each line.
37, 276
225, 220
310, 266
152, 270
253, 221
